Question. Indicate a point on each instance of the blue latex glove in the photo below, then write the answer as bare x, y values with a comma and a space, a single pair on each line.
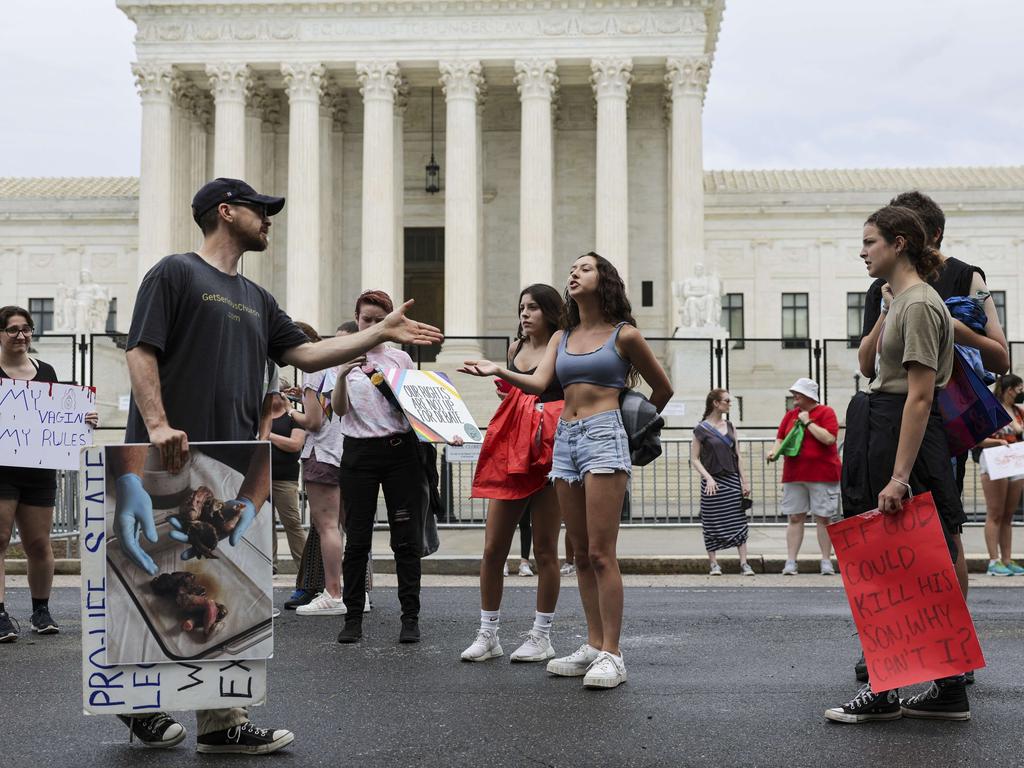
245, 519
134, 511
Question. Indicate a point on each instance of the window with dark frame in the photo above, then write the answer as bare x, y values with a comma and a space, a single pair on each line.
795, 321
999, 299
855, 303
42, 314
732, 317
647, 293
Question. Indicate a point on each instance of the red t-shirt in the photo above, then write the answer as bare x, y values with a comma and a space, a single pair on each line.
816, 462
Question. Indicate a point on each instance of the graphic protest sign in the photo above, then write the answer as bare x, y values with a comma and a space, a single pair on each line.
1004, 460
121, 616
42, 425
434, 408
913, 622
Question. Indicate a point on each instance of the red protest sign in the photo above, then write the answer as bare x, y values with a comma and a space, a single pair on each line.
913, 622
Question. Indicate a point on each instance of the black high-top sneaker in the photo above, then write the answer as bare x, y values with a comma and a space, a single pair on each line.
867, 706
945, 699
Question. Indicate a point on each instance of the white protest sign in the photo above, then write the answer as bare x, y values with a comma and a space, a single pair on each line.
674, 408
433, 406
42, 425
462, 454
1004, 460
141, 688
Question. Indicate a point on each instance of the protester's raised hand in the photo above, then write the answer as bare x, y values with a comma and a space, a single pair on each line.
479, 368
404, 330
172, 445
133, 511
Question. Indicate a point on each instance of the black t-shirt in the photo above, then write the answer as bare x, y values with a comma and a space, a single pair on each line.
955, 278
36, 478
212, 333
284, 464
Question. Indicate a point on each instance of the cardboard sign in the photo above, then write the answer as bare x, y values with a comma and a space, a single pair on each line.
230, 680
1004, 460
434, 408
42, 425
913, 622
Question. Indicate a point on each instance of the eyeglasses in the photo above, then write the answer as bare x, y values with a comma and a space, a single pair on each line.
14, 330
725, 401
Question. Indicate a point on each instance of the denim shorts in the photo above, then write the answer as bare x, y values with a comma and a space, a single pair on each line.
596, 444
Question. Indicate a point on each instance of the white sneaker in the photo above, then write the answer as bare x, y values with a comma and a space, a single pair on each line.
504, 571
827, 569
486, 646
536, 648
789, 569
367, 604
715, 570
525, 569
322, 605
568, 569
575, 664
746, 570
607, 671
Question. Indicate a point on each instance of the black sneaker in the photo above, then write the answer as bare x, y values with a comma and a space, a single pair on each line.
9, 628
244, 739
867, 706
159, 731
944, 700
299, 597
43, 623
860, 669
410, 630
353, 630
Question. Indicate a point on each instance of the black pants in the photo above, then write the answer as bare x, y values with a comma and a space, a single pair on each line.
367, 465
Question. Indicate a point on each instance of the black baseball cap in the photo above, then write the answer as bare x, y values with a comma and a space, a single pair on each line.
231, 191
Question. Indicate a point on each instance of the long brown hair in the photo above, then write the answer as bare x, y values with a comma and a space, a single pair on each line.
709, 403
894, 221
550, 304
612, 301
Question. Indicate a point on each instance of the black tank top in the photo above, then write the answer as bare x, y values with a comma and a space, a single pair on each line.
550, 395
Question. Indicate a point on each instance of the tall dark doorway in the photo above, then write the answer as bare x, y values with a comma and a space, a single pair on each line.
424, 278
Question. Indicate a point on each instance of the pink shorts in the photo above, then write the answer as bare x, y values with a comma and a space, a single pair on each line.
314, 471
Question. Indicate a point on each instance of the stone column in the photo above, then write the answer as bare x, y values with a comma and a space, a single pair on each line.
182, 192
303, 83
199, 151
611, 79
461, 82
255, 266
157, 85
686, 80
536, 81
401, 103
377, 84
329, 268
231, 85
273, 268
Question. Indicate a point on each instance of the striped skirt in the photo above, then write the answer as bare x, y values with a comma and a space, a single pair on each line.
722, 515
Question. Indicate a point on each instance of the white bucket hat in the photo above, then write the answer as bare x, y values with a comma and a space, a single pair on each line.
807, 388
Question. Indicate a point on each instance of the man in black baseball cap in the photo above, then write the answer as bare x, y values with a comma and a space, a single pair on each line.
232, 191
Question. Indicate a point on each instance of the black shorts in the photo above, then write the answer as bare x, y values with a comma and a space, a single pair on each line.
34, 487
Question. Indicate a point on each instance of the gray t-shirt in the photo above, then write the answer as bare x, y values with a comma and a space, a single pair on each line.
918, 329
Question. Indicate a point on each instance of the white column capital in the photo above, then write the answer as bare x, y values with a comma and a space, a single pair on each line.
156, 82
260, 98
401, 94
378, 80
230, 82
333, 104
462, 79
536, 79
687, 76
303, 81
611, 78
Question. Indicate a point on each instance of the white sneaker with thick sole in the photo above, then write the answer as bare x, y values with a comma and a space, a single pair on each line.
322, 605
536, 648
486, 646
607, 671
827, 569
575, 664
789, 569
525, 569
715, 570
567, 569
367, 604
746, 570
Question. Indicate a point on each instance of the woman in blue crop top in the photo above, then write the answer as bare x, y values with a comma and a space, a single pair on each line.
512, 473
599, 354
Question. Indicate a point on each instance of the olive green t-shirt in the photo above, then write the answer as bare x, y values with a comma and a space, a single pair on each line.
918, 329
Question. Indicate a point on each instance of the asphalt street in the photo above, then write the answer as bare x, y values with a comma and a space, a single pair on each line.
718, 676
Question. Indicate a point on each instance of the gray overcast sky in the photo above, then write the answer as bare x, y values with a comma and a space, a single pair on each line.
795, 84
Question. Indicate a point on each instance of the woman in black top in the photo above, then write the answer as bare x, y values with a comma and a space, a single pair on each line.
27, 496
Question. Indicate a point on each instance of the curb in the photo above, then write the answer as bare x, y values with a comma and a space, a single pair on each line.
460, 565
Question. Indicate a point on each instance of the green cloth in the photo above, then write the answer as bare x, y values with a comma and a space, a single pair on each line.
794, 439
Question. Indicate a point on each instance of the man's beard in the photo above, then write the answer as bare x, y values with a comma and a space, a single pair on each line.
250, 242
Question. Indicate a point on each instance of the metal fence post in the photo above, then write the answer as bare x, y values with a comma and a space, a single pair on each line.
817, 361
83, 348
718, 352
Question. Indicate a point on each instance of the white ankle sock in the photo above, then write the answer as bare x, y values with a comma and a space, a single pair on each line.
489, 620
542, 623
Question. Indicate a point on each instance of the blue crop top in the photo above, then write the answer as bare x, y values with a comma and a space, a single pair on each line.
603, 367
